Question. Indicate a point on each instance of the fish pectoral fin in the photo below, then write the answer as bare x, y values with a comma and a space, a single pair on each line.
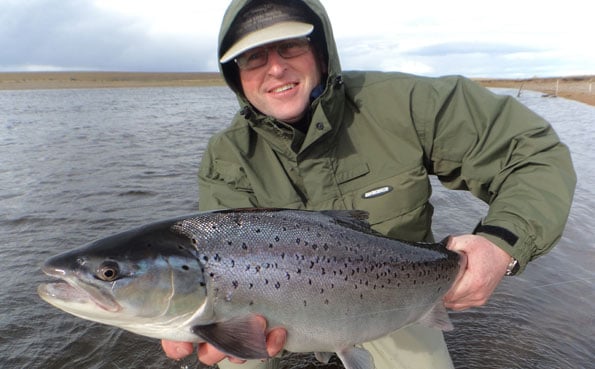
437, 318
356, 358
242, 337
323, 357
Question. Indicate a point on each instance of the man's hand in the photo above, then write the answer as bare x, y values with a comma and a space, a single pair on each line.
486, 266
209, 355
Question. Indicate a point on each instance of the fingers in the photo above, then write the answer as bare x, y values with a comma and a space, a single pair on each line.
276, 341
176, 350
209, 355
482, 270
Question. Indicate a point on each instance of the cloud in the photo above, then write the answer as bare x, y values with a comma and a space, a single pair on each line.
71, 34
181, 35
462, 48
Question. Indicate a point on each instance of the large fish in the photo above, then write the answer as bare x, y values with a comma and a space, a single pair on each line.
326, 277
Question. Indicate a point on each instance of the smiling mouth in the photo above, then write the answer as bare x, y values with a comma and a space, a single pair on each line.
284, 88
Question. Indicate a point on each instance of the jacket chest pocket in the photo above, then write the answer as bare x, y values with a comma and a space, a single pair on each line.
397, 202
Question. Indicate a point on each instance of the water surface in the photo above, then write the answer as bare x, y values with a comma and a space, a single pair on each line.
76, 165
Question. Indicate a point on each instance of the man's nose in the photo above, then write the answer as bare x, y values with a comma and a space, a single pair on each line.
276, 63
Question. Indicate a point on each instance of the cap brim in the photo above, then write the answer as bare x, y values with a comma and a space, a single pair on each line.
276, 32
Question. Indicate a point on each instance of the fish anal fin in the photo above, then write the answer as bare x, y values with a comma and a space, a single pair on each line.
356, 358
437, 318
323, 357
243, 337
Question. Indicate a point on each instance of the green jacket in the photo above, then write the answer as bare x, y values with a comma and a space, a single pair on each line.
374, 140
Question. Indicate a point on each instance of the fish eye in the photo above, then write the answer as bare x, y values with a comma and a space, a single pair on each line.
108, 271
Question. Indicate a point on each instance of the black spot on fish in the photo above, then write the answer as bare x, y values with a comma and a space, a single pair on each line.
235, 284
305, 303
229, 243
297, 241
233, 263
257, 230
244, 246
185, 267
212, 275
326, 302
314, 246
299, 271
322, 291
250, 286
266, 281
277, 285
270, 245
205, 258
194, 241
288, 276
202, 284
310, 281
251, 303
277, 238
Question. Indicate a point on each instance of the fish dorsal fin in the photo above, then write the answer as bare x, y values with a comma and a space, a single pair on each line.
437, 318
242, 337
354, 219
356, 358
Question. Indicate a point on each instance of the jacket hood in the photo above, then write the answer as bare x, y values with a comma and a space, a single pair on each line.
322, 37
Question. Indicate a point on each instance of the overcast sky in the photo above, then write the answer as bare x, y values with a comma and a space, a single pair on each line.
507, 38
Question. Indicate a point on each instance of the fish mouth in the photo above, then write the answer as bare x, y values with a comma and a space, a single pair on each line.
70, 291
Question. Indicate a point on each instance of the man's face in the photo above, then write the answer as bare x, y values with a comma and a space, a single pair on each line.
281, 88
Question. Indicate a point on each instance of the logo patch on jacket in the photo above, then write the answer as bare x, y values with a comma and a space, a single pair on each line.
377, 192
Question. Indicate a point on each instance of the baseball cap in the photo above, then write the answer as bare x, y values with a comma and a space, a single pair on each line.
263, 24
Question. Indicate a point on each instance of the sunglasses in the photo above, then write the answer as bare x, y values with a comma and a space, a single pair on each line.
287, 49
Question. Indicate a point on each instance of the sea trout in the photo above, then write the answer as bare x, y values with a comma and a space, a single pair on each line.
326, 277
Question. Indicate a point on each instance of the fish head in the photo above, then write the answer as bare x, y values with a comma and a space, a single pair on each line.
146, 280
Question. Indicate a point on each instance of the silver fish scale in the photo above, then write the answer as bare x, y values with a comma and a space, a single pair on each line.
296, 266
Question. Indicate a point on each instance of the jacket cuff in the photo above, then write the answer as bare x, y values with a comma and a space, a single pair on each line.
514, 244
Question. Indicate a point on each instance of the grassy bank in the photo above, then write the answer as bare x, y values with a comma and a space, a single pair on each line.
579, 88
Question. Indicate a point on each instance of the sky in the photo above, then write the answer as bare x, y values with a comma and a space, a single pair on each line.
503, 39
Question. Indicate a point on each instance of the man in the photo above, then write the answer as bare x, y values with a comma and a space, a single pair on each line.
309, 136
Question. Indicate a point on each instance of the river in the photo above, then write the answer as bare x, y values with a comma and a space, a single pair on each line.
77, 165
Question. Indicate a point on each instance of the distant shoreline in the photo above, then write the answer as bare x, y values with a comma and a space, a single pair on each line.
64, 80
579, 88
